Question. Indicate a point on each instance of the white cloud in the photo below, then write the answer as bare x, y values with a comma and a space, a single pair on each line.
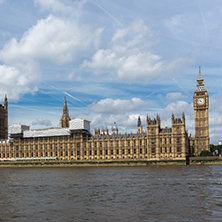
111, 106
54, 5
54, 40
177, 108
16, 81
174, 96
42, 122
131, 57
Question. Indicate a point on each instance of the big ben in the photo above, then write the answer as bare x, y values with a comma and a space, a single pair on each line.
201, 118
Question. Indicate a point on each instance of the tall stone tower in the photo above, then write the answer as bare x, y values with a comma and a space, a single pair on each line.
4, 120
64, 121
139, 126
201, 105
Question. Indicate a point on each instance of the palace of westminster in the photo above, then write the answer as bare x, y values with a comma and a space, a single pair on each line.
73, 140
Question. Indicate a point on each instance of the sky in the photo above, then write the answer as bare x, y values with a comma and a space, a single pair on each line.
113, 60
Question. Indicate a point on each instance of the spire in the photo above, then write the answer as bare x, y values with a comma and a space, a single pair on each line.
6, 102
64, 121
200, 82
200, 77
139, 121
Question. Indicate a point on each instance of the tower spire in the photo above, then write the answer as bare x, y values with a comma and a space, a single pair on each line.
200, 77
64, 121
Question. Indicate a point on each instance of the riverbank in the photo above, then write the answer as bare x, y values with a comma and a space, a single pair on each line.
103, 163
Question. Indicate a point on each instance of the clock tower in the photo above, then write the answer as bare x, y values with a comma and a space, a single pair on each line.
201, 105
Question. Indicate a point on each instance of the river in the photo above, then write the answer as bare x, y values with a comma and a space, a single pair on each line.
152, 193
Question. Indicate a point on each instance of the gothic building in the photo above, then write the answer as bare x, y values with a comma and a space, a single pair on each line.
201, 105
4, 120
74, 141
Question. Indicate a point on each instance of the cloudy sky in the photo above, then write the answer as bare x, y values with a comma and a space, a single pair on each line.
114, 60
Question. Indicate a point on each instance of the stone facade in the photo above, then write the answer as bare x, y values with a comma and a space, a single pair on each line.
201, 105
73, 140
4, 120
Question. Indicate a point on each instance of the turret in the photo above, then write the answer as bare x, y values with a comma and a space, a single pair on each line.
64, 121
139, 125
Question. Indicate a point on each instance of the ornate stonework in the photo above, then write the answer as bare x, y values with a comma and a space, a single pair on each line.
201, 118
4, 120
73, 140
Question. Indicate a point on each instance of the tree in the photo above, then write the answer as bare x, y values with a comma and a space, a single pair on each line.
206, 153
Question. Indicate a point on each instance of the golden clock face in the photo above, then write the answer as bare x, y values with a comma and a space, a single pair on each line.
200, 101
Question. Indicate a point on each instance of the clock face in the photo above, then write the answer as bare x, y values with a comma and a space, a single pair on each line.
200, 101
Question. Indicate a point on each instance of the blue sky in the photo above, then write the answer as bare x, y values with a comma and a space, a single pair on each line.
114, 60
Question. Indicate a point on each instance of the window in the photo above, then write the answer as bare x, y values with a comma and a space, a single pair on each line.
152, 141
111, 152
134, 151
122, 143
134, 142
95, 144
165, 149
178, 129
170, 141
61, 146
117, 143
111, 144
85, 152
160, 140
123, 151
66, 146
129, 151
71, 153
90, 152
117, 152
128, 143
95, 152
78, 152
100, 144
106, 152
152, 131
66, 153
153, 150
178, 149
89, 145
78, 145
61, 153
178, 140
140, 142
101, 152
165, 141
170, 150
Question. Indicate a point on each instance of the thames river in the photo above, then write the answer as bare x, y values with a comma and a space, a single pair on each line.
153, 193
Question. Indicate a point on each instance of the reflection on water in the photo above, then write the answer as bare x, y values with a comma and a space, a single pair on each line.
154, 193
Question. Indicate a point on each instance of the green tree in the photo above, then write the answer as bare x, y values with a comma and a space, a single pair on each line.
206, 153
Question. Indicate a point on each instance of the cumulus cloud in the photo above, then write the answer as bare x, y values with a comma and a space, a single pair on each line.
54, 40
177, 108
111, 106
42, 122
131, 57
125, 123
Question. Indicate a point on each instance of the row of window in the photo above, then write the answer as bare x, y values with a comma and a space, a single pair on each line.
91, 152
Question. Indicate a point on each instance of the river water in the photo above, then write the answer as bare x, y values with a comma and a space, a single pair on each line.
153, 193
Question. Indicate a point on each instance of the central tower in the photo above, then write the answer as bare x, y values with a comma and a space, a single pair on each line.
201, 118
64, 121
